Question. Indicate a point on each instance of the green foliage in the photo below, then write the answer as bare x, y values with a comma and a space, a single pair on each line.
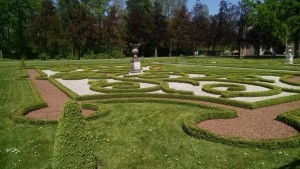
120, 87
23, 65
285, 79
72, 148
291, 118
43, 56
45, 30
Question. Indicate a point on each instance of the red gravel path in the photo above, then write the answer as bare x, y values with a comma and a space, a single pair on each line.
254, 124
54, 97
295, 79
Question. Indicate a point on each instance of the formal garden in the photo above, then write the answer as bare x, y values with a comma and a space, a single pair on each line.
179, 113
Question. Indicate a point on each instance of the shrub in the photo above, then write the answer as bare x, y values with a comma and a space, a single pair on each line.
72, 148
43, 56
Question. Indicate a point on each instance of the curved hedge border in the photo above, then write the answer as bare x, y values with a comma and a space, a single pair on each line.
209, 88
190, 127
285, 79
291, 118
228, 94
19, 115
100, 87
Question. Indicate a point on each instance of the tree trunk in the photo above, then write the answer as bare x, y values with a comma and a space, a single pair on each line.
72, 52
296, 44
155, 51
170, 50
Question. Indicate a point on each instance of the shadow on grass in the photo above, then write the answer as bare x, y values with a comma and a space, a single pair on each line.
292, 165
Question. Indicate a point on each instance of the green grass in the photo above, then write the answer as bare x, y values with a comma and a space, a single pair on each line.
30, 141
149, 135
132, 135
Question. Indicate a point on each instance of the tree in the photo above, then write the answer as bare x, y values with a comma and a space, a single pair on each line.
277, 21
113, 31
180, 30
160, 26
72, 147
290, 16
14, 20
139, 23
169, 6
227, 28
45, 29
81, 30
200, 25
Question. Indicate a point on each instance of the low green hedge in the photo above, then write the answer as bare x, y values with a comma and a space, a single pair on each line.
165, 87
209, 88
19, 115
291, 118
100, 86
228, 94
99, 111
275, 101
180, 80
42, 75
153, 75
285, 79
168, 96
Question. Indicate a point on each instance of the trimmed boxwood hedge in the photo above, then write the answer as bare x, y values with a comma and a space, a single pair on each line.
228, 94
19, 115
99, 86
73, 148
285, 79
291, 118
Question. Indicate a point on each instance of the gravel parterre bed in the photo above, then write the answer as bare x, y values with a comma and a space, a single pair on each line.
295, 79
254, 124
250, 124
54, 97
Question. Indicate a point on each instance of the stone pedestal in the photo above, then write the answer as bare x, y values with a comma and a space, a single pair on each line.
135, 65
289, 59
289, 56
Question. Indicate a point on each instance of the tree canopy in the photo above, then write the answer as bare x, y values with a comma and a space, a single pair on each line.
88, 28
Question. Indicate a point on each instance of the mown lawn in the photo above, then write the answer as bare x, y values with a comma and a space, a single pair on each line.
133, 135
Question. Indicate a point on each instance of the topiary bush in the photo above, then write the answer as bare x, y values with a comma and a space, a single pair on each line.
72, 148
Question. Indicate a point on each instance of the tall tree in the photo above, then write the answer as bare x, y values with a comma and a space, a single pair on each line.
45, 29
113, 31
180, 27
16, 15
170, 6
160, 26
200, 25
277, 21
290, 16
139, 23
81, 29
227, 29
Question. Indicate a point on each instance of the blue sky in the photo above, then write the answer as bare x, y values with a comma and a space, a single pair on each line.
213, 5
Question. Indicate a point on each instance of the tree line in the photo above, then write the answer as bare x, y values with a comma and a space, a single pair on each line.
91, 28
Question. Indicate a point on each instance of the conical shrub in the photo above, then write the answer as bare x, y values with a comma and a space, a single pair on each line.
72, 148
